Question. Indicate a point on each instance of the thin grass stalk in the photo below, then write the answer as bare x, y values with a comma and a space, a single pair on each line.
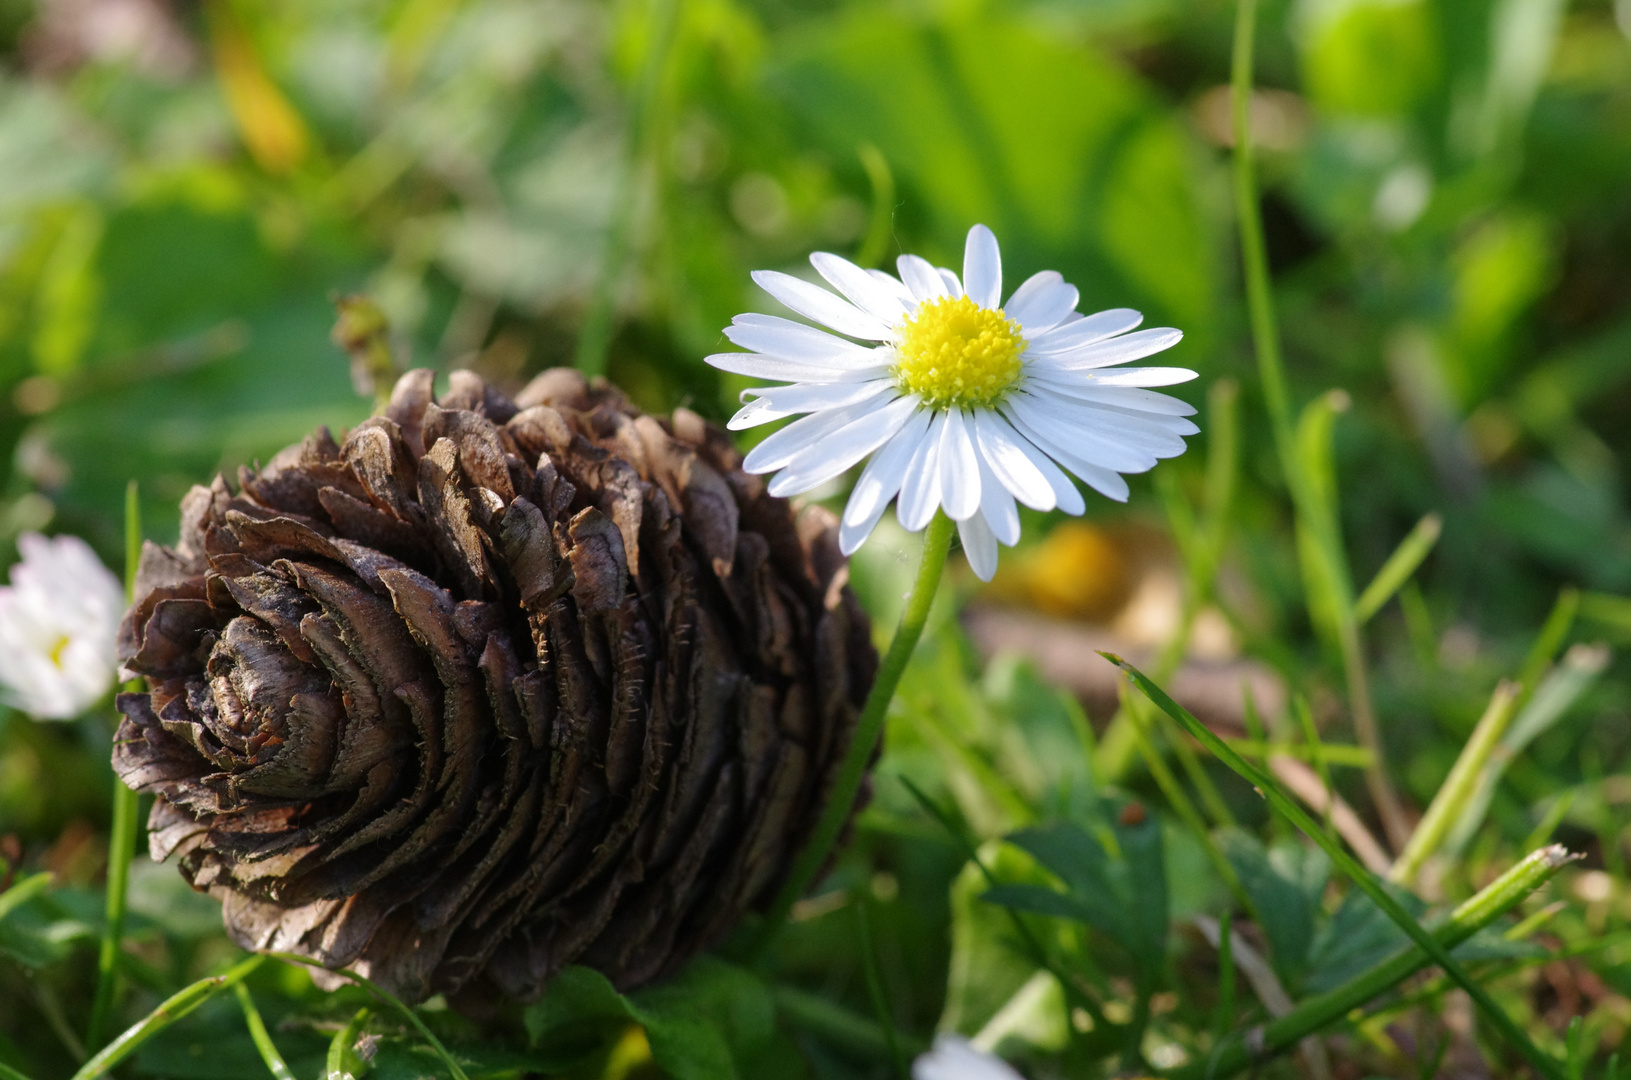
262, 1038
8, 1073
126, 823
390, 999
868, 730
1316, 748
1453, 795
172, 1009
1271, 371
1288, 808
874, 987
1404, 561
596, 334
880, 229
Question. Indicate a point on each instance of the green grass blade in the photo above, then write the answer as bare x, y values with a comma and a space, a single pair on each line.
23, 891
263, 1039
1409, 555
342, 1062
1459, 787
390, 999
172, 1009
874, 987
126, 822
1288, 808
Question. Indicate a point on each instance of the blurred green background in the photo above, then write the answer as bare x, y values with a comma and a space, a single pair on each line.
185, 187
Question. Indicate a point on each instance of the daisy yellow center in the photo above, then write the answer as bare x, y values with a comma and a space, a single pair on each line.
952, 351
58, 647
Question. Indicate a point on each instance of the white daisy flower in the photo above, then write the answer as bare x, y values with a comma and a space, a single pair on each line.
963, 402
59, 618
955, 1058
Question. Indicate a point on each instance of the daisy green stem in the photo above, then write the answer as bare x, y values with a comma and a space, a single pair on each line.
1271, 371
126, 814
936, 545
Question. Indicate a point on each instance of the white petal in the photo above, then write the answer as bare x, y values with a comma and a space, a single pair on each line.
1088, 444
1143, 376
920, 487
954, 288
1085, 445
954, 1058
1074, 333
788, 340
879, 482
1119, 350
1029, 288
816, 303
1065, 492
1122, 397
834, 455
780, 448
979, 546
1043, 309
1145, 433
922, 278
982, 268
895, 286
997, 507
959, 468
881, 303
1174, 425
1105, 481
999, 449
807, 397
759, 366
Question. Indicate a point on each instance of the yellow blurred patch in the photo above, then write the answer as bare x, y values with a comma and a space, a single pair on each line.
271, 127
1077, 572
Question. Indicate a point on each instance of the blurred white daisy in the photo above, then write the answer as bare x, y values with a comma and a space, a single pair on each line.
58, 621
965, 402
954, 1058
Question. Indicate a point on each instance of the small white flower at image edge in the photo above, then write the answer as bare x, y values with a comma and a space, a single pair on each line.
59, 621
956, 400
955, 1058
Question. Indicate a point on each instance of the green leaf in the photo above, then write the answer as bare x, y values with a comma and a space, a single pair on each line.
1148, 913
1284, 886
701, 1026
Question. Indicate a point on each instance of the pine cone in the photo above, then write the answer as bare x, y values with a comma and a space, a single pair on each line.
492, 687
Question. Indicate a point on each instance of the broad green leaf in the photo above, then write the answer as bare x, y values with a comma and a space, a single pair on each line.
1285, 887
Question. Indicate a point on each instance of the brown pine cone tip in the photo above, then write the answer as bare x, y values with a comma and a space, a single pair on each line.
492, 687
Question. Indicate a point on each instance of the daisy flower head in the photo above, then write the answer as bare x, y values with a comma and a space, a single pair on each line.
955, 1058
962, 402
58, 621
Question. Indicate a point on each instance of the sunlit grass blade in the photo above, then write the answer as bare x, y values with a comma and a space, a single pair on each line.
342, 1062
1286, 807
390, 999
126, 824
262, 1038
1410, 553
1458, 788
172, 1009
1564, 685
23, 891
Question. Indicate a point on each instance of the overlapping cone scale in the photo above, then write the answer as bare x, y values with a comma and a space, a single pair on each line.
492, 687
